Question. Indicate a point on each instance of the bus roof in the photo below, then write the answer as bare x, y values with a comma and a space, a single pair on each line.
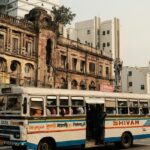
86, 93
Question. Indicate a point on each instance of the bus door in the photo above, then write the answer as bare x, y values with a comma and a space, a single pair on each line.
99, 124
95, 120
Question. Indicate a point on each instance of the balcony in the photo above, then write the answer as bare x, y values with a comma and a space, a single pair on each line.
18, 53
21, 23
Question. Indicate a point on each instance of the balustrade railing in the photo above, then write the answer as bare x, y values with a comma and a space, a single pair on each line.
22, 23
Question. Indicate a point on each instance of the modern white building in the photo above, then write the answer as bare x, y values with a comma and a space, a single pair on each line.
103, 35
18, 8
136, 79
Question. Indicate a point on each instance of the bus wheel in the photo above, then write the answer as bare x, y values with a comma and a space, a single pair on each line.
126, 140
46, 144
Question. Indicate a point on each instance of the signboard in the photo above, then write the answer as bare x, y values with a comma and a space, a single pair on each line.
106, 88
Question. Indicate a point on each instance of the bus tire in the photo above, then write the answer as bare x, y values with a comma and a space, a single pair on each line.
46, 144
126, 140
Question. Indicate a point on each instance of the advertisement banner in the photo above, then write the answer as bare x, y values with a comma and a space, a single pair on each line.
106, 88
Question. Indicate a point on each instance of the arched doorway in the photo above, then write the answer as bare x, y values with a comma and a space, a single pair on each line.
49, 53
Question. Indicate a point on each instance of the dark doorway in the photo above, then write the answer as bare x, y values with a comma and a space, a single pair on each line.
95, 123
13, 81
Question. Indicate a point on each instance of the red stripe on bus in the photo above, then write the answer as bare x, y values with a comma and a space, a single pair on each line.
34, 132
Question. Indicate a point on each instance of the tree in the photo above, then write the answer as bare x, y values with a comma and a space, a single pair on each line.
62, 15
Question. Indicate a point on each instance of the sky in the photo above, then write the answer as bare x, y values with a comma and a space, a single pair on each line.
134, 18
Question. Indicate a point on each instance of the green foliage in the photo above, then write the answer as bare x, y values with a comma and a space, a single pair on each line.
62, 15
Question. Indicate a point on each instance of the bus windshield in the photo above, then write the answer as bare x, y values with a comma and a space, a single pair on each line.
10, 104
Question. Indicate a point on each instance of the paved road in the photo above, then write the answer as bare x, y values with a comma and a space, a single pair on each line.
135, 147
138, 145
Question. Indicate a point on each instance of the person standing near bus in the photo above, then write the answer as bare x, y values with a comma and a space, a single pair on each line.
99, 125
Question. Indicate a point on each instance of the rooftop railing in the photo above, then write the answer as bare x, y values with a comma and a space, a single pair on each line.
21, 23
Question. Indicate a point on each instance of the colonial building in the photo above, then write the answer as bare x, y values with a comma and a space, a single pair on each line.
104, 36
31, 54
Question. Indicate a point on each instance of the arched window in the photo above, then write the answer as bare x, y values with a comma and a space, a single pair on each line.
15, 76
1, 42
92, 86
63, 83
3, 65
74, 84
15, 66
82, 85
29, 70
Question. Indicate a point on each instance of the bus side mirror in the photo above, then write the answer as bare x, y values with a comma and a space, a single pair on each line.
25, 106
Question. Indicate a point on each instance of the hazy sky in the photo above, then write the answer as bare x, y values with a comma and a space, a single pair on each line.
134, 18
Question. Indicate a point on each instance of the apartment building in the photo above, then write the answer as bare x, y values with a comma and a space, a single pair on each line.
102, 35
136, 79
18, 8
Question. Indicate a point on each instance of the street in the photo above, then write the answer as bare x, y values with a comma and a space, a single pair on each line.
143, 144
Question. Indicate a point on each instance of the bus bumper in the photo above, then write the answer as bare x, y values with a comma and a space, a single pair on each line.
27, 145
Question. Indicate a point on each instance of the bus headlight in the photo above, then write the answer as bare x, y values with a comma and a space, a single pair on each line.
17, 135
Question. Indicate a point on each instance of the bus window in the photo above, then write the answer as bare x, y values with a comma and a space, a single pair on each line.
64, 105
13, 103
144, 107
2, 103
133, 107
110, 105
25, 106
77, 105
36, 106
122, 106
51, 105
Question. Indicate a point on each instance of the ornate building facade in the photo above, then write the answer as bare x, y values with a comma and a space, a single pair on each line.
31, 54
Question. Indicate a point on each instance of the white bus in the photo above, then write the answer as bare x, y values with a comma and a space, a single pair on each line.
46, 119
